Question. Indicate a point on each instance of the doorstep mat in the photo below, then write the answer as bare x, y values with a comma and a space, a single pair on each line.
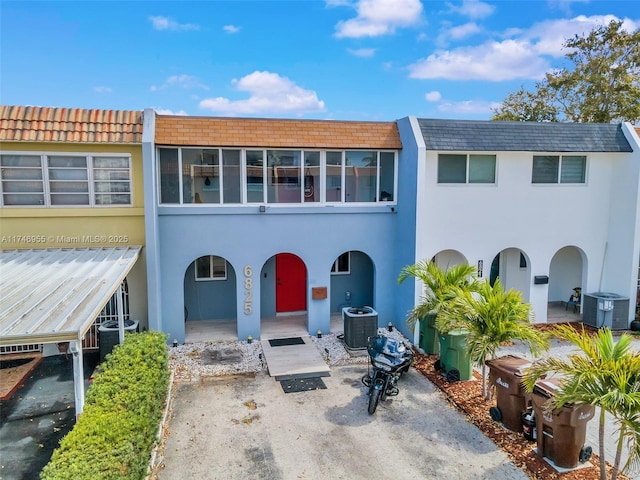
283, 342
302, 384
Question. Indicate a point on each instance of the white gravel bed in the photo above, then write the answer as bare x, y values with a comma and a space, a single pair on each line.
187, 362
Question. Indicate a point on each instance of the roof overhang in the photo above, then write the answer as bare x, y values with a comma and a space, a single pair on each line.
55, 295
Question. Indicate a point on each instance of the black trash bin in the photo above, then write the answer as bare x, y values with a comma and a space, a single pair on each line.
109, 335
505, 373
561, 433
360, 323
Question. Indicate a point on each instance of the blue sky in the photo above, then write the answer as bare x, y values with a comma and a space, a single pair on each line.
333, 59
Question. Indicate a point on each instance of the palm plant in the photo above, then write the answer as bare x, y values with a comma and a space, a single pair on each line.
492, 316
605, 374
440, 286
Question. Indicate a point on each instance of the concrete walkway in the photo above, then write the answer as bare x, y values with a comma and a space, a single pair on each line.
246, 427
294, 361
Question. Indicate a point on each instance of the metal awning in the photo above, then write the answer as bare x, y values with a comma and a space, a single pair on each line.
55, 295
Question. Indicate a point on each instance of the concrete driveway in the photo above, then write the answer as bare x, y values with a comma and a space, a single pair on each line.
246, 427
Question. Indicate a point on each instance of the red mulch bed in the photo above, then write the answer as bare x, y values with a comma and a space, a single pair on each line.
467, 397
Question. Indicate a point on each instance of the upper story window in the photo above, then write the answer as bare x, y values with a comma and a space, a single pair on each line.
246, 176
554, 168
463, 168
65, 179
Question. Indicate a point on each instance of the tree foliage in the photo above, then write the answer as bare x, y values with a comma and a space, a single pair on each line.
601, 85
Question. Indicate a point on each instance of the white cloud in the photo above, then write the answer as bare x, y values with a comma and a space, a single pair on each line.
493, 61
269, 93
362, 52
166, 23
166, 111
102, 89
463, 31
380, 17
564, 5
468, 107
433, 96
473, 9
182, 81
231, 29
521, 54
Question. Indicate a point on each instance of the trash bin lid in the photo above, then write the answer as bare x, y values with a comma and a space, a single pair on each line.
509, 364
547, 387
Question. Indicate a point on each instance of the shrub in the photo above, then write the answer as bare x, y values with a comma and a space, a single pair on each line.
116, 432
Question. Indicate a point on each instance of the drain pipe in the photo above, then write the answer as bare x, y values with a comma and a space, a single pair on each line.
604, 258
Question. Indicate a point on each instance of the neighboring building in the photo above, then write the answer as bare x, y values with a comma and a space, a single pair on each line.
252, 219
544, 206
71, 179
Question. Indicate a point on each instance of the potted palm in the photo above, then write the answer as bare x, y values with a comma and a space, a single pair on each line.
605, 374
491, 316
439, 289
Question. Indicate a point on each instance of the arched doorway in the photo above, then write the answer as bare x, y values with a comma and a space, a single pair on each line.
513, 267
567, 272
352, 281
283, 295
210, 311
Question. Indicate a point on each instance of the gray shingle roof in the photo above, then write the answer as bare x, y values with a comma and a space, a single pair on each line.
473, 135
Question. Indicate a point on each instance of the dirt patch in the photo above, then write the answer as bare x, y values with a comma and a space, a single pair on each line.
467, 397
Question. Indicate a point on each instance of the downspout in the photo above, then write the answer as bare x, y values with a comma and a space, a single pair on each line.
604, 258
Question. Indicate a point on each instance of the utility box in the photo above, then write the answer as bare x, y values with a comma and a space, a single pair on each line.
561, 433
360, 323
109, 335
602, 309
505, 374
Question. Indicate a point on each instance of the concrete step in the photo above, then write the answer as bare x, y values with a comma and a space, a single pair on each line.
294, 361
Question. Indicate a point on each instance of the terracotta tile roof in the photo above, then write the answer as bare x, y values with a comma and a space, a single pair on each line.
262, 132
77, 125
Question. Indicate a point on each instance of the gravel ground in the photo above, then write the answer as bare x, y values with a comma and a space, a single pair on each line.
189, 362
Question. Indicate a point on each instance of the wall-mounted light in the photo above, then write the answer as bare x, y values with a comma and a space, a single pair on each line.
319, 333
480, 266
390, 326
249, 339
262, 209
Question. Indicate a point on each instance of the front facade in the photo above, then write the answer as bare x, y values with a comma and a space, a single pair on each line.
72, 178
251, 220
544, 207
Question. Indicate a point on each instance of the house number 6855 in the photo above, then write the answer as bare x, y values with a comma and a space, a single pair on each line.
248, 287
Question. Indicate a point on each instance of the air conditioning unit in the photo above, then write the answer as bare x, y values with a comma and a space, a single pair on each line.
360, 323
602, 309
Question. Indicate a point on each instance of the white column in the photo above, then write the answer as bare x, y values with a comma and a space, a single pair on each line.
78, 375
119, 307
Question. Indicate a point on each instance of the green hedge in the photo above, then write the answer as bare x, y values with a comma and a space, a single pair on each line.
116, 432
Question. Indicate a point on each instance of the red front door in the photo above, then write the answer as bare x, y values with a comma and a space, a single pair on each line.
291, 283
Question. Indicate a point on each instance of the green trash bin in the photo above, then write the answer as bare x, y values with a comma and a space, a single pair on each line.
454, 360
429, 341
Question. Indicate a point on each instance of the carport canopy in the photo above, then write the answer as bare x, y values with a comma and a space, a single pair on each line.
55, 295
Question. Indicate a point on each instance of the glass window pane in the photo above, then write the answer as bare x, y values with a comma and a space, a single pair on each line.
169, 178
452, 168
203, 268
111, 162
23, 199
21, 161
482, 169
200, 175
333, 177
67, 174
69, 199
255, 182
545, 169
387, 176
22, 186
573, 169
113, 199
311, 181
111, 175
283, 176
219, 267
61, 161
360, 176
21, 173
231, 176
102, 187
68, 187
